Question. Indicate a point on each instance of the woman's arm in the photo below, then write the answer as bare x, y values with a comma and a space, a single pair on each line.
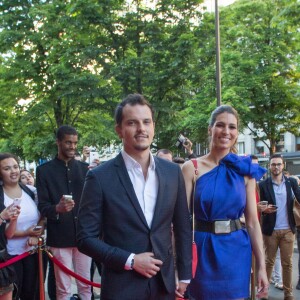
13, 213
188, 172
254, 230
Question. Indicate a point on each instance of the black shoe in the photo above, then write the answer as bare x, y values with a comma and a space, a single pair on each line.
298, 285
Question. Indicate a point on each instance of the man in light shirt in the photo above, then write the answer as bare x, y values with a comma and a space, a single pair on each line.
278, 223
127, 207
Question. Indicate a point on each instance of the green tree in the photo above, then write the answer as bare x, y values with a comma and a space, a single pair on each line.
260, 72
260, 69
74, 59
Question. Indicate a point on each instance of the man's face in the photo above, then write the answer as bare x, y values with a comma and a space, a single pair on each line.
67, 147
136, 129
276, 166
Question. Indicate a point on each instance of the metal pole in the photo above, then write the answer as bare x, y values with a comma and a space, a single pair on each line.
41, 269
218, 64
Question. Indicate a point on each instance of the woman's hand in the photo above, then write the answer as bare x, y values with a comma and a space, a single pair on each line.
262, 283
11, 212
32, 231
33, 241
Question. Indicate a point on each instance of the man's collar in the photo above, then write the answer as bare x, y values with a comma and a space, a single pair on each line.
66, 163
283, 179
131, 163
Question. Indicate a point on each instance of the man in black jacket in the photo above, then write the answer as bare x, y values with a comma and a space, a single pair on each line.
59, 177
131, 201
278, 224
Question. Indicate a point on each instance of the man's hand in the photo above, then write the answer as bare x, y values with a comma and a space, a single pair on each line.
64, 205
180, 289
146, 264
85, 153
188, 146
270, 209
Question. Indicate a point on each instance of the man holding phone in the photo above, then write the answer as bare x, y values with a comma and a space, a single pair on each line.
59, 186
278, 224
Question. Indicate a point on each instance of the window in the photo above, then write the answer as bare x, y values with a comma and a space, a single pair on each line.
280, 144
241, 148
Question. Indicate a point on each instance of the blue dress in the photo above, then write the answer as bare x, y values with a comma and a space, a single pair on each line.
224, 261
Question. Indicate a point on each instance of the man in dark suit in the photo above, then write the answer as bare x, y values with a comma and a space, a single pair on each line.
278, 224
61, 176
126, 211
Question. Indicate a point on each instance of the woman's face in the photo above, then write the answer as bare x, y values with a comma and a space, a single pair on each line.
26, 178
224, 132
9, 171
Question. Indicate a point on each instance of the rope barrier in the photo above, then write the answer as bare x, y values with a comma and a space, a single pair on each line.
15, 259
40, 248
70, 272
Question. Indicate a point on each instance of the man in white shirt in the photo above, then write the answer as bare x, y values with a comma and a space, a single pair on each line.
126, 211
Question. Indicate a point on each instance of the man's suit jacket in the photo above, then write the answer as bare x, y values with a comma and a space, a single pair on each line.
53, 180
267, 194
111, 226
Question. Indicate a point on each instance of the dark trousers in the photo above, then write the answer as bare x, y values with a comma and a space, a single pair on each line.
155, 291
27, 277
94, 265
51, 285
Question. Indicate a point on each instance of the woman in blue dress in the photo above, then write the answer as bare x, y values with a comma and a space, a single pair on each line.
224, 191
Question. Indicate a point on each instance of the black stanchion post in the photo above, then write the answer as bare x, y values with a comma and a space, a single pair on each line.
41, 269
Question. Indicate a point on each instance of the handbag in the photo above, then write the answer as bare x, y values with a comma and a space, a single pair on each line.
296, 208
296, 211
194, 246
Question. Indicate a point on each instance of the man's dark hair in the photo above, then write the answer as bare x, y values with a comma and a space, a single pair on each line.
131, 99
164, 151
252, 156
276, 156
178, 160
65, 130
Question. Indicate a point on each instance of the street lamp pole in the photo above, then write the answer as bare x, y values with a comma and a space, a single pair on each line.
218, 64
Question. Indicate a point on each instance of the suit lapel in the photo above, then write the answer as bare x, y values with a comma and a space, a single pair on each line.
161, 197
127, 185
271, 190
289, 195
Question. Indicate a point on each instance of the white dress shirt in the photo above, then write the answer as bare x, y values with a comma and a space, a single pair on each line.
145, 189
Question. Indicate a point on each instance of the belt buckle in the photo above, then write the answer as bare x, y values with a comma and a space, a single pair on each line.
222, 226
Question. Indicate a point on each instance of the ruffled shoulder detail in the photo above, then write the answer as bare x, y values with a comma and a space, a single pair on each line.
243, 166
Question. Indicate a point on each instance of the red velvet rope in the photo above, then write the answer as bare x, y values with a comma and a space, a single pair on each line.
14, 259
68, 271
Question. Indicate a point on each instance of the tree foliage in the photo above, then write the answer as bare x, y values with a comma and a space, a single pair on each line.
260, 68
70, 62
260, 73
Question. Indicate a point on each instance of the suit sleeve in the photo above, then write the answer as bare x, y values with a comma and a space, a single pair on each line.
89, 227
45, 206
183, 233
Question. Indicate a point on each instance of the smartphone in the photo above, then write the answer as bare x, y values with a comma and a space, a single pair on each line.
273, 206
17, 202
37, 228
93, 155
67, 197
